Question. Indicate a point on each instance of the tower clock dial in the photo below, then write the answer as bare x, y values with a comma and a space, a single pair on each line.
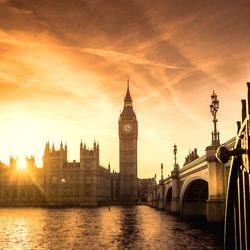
127, 128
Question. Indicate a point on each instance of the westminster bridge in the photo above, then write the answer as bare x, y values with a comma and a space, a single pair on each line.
199, 188
215, 185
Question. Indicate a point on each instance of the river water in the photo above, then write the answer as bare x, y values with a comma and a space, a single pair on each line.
138, 227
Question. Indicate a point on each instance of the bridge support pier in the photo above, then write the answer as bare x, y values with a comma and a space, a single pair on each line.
154, 200
215, 210
175, 203
161, 198
216, 193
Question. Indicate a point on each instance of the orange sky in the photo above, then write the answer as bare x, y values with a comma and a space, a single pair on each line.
64, 67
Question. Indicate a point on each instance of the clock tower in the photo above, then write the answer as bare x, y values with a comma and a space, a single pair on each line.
128, 133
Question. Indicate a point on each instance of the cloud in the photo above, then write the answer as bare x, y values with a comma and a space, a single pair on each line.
72, 59
117, 56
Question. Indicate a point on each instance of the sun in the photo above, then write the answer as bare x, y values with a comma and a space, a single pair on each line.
21, 163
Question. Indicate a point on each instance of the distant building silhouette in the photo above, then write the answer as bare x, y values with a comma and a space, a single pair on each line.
191, 157
145, 186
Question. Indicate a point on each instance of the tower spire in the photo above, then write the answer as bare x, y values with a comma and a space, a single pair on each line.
128, 99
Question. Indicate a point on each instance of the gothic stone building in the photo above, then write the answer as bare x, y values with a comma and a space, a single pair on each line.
83, 183
59, 182
75, 183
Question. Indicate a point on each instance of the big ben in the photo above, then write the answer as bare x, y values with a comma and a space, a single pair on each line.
128, 133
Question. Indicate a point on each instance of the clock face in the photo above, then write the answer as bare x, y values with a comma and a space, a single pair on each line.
127, 128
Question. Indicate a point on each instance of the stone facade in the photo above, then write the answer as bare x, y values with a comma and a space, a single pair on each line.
59, 182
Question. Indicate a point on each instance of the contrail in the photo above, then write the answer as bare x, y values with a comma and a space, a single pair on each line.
100, 52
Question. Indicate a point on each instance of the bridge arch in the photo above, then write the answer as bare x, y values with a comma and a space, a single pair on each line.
194, 195
168, 199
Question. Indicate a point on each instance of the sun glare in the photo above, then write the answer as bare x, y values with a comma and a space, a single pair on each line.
21, 163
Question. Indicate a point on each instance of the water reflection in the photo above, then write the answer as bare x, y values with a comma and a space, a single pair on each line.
129, 230
120, 228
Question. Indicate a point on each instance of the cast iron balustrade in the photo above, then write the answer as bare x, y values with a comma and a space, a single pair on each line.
237, 212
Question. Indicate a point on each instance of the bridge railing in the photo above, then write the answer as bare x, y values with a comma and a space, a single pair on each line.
237, 213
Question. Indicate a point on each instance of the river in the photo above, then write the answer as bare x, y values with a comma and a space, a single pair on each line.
136, 227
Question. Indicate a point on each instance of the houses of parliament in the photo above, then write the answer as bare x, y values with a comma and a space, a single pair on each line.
84, 183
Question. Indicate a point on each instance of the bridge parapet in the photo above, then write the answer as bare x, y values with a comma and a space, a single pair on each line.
194, 167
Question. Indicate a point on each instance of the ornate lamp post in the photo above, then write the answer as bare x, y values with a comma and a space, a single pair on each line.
216, 187
155, 183
154, 197
175, 202
175, 152
162, 171
214, 106
176, 166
